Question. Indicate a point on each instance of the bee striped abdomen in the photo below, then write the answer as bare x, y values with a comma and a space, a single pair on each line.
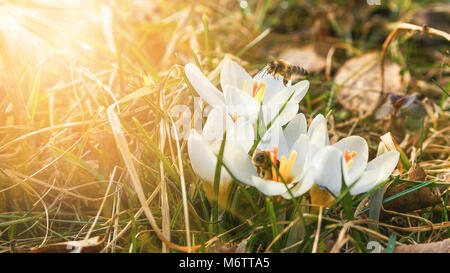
299, 70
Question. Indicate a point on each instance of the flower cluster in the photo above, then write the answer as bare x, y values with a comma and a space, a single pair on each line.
268, 145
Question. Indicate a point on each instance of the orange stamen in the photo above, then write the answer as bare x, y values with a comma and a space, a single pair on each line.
348, 156
255, 89
258, 90
274, 160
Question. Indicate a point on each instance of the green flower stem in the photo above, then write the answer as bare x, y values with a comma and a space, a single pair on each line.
273, 220
347, 203
215, 203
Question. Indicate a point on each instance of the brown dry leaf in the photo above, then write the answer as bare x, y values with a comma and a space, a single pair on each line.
419, 199
416, 173
437, 247
360, 84
306, 57
91, 245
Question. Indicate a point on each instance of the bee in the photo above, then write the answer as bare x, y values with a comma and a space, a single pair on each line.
261, 161
285, 69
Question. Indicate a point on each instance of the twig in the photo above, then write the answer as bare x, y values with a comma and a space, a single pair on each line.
407, 26
319, 223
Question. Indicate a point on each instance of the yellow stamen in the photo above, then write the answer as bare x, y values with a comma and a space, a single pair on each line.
245, 86
235, 117
290, 163
286, 166
349, 164
282, 167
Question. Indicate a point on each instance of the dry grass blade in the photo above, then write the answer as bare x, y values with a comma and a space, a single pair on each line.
111, 179
127, 158
406, 26
165, 212
128, 226
183, 188
316, 239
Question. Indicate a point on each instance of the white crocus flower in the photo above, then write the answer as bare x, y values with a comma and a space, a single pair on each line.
204, 148
355, 168
300, 155
243, 95
346, 159
321, 165
287, 154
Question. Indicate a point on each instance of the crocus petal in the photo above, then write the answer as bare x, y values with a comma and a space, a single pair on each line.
239, 163
281, 97
203, 160
302, 186
295, 128
271, 113
358, 145
302, 149
327, 163
386, 162
294, 94
377, 171
300, 89
269, 187
365, 183
319, 122
240, 103
273, 85
274, 137
288, 113
216, 124
318, 137
206, 90
243, 133
233, 74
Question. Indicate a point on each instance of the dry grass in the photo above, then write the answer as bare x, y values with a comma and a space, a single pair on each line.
86, 142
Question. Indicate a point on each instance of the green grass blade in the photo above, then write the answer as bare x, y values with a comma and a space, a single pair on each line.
217, 174
391, 243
